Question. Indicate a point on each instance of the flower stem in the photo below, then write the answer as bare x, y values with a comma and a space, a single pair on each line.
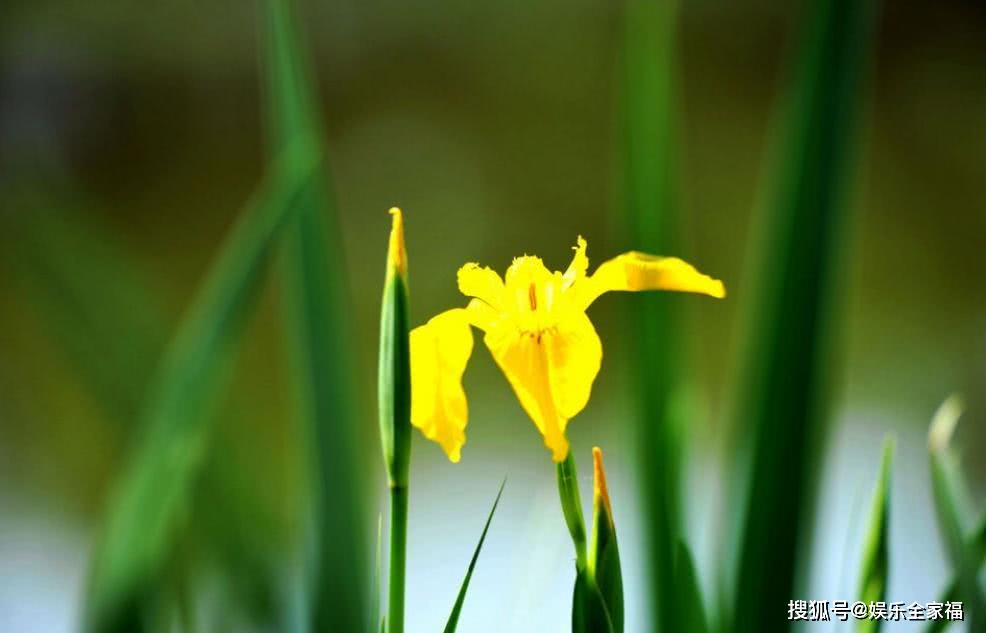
398, 558
571, 506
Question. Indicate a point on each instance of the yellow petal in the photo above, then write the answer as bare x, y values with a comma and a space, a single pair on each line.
580, 263
529, 285
551, 372
639, 271
440, 350
575, 354
482, 283
481, 314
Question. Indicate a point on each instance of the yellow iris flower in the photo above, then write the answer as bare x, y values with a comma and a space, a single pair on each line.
535, 325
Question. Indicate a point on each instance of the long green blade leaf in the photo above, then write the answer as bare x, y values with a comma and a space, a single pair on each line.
782, 386
876, 549
651, 211
689, 599
951, 504
319, 332
152, 502
111, 333
453, 619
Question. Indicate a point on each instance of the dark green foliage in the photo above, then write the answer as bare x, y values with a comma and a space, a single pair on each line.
689, 592
150, 507
782, 384
319, 330
652, 219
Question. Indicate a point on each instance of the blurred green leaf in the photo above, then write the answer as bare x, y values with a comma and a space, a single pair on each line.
952, 505
789, 335
977, 547
88, 293
876, 548
453, 620
150, 507
319, 330
377, 595
652, 219
689, 598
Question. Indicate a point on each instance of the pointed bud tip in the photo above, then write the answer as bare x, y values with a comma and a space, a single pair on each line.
600, 489
396, 253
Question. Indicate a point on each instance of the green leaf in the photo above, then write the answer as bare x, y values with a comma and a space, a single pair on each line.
653, 219
319, 332
876, 548
453, 619
977, 547
689, 599
150, 506
789, 331
589, 614
111, 333
951, 503
604, 553
377, 595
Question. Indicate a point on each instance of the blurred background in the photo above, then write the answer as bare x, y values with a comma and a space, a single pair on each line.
130, 137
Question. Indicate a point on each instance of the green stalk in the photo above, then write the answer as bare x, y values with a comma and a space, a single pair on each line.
571, 507
398, 557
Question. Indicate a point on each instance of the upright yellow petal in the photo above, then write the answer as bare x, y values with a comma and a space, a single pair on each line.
482, 283
550, 371
578, 267
635, 271
440, 350
530, 287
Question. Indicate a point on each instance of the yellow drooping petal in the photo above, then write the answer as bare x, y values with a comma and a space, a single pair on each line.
440, 350
551, 372
639, 271
482, 283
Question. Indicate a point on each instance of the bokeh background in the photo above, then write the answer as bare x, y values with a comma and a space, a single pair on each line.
131, 135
